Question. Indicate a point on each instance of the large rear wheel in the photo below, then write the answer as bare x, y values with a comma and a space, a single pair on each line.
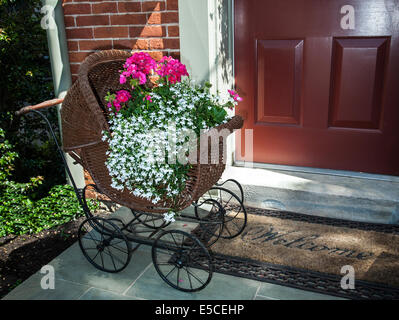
104, 245
182, 261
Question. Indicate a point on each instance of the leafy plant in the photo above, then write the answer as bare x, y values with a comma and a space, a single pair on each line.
7, 157
155, 125
19, 214
23, 209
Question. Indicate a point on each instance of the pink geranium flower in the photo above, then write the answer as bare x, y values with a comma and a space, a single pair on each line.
117, 105
148, 98
138, 66
123, 96
235, 95
122, 79
171, 69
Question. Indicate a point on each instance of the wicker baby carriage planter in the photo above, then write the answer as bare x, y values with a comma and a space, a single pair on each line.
84, 117
107, 242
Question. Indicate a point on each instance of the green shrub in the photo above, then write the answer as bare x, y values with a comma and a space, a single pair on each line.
22, 207
26, 79
19, 214
33, 196
7, 157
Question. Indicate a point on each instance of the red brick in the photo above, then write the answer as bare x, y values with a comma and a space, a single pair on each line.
163, 17
172, 4
147, 31
105, 7
76, 8
74, 78
95, 44
73, 46
173, 31
78, 56
169, 17
92, 20
123, 19
80, 33
69, 21
157, 55
171, 43
153, 6
154, 18
156, 44
129, 7
111, 32
75, 68
137, 44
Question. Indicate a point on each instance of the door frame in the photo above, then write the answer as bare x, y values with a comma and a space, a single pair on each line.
207, 47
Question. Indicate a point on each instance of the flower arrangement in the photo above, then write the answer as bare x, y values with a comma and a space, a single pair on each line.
153, 123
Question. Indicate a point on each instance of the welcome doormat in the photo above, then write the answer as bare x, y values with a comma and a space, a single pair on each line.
308, 252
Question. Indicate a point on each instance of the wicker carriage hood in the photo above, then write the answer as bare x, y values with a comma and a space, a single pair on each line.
84, 118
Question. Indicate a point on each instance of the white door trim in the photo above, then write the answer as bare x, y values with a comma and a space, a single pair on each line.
206, 46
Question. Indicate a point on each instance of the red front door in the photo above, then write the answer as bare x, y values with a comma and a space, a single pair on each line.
320, 82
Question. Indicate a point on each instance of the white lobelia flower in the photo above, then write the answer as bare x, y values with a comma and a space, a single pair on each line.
169, 217
141, 144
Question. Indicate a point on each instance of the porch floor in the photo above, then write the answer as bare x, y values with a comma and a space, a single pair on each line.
320, 192
77, 279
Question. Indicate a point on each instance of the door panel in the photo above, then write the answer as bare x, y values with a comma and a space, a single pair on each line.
315, 94
358, 67
279, 71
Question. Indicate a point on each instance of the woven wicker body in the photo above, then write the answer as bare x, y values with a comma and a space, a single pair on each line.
84, 117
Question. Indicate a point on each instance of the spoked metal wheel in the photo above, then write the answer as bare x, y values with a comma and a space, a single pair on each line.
104, 245
230, 182
152, 221
182, 261
235, 214
211, 218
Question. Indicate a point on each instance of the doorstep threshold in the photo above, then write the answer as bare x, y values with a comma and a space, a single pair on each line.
315, 193
332, 172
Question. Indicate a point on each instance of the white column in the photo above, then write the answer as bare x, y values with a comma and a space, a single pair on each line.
206, 46
58, 51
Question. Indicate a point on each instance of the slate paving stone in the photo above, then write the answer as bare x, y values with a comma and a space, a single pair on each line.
221, 287
31, 290
72, 265
100, 294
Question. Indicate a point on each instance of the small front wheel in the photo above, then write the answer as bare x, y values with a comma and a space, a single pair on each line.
152, 221
182, 261
104, 245
235, 214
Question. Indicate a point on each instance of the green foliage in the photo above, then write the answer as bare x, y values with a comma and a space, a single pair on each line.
20, 214
7, 157
25, 66
23, 208
207, 110
33, 196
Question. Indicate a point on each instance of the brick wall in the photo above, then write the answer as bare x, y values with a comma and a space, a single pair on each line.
151, 26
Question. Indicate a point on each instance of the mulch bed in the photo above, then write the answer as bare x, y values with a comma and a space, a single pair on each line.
22, 256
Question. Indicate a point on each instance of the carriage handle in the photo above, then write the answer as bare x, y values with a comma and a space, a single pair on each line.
42, 105
35, 109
